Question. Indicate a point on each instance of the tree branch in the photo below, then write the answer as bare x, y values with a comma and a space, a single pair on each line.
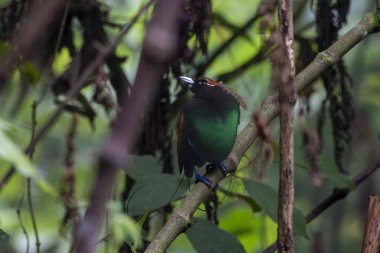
181, 218
371, 242
287, 99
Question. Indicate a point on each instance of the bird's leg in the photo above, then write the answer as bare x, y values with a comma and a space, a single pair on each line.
220, 165
204, 180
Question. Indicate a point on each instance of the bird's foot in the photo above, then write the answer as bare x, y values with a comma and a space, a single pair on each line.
199, 178
220, 165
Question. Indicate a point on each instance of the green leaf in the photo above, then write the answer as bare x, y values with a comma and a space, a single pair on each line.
332, 173
61, 61
254, 206
154, 191
143, 166
4, 48
4, 237
206, 237
123, 227
338, 179
11, 153
31, 72
266, 197
299, 223
275, 148
301, 166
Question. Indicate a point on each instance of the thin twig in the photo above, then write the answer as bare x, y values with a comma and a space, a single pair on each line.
68, 185
29, 181
32, 214
18, 210
336, 195
238, 71
201, 69
341, 193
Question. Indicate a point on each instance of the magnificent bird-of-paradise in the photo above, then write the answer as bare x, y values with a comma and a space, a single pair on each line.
207, 126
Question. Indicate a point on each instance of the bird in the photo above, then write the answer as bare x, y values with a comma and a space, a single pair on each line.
207, 126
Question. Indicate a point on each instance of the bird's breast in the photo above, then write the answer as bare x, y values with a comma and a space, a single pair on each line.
210, 130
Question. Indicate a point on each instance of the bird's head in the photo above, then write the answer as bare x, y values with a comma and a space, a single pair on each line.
198, 84
203, 83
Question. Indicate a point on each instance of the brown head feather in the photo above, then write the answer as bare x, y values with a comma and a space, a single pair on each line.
229, 91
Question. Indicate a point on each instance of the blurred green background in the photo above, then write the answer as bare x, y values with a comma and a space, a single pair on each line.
339, 229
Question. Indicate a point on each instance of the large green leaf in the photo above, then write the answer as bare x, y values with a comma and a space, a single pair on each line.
255, 208
4, 237
154, 191
142, 166
124, 228
330, 170
299, 223
206, 237
266, 197
11, 153
31, 72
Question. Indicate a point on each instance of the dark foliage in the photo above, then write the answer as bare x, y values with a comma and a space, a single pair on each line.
330, 15
10, 16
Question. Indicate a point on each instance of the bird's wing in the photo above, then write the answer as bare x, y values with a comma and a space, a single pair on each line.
187, 157
184, 153
180, 139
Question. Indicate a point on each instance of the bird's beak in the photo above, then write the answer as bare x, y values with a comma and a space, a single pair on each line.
186, 79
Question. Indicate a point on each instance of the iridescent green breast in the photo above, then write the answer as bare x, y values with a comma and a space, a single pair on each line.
207, 125
210, 129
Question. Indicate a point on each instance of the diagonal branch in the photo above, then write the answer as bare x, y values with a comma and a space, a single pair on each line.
238, 71
181, 218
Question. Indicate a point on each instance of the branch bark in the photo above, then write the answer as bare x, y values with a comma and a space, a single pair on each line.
181, 218
287, 99
371, 242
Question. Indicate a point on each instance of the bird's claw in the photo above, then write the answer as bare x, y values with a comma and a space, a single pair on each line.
223, 168
199, 178
209, 167
220, 165
205, 181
